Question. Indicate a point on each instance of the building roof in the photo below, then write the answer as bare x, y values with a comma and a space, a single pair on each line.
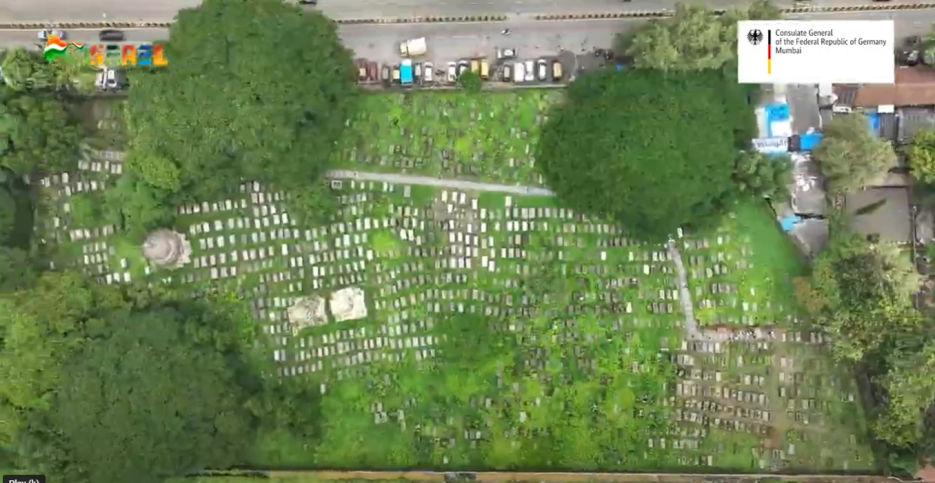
913, 120
913, 87
891, 221
926, 473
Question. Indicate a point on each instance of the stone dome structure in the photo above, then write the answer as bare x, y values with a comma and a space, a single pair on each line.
167, 249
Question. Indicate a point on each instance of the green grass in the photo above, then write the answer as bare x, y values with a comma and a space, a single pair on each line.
490, 136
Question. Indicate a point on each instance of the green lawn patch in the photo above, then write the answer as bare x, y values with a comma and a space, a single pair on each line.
489, 136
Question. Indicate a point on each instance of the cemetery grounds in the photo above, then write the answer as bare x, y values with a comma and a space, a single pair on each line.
477, 330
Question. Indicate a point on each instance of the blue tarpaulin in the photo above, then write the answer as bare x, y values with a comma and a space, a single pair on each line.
778, 112
807, 142
789, 222
873, 120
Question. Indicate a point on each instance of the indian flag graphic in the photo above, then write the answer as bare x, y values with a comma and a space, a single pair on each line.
54, 47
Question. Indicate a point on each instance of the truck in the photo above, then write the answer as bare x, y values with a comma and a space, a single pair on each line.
405, 72
413, 47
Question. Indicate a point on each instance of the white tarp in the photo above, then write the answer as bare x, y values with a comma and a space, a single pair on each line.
772, 145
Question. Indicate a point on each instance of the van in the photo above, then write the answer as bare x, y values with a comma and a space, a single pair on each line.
484, 69
475, 66
519, 72
556, 70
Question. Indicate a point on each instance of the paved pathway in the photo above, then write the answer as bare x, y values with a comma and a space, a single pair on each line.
685, 296
437, 182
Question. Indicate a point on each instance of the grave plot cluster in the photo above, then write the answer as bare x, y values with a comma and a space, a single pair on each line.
454, 262
773, 392
723, 291
489, 137
739, 396
374, 305
91, 247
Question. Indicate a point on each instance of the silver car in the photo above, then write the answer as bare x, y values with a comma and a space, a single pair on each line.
45, 34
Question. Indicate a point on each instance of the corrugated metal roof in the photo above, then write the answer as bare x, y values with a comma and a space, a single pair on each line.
913, 87
891, 221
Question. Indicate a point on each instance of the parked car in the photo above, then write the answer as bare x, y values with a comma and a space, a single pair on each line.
463, 66
912, 57
452, 72
519, 72
475, 66
556, 70
396, 73
308, 2
504, 54
506, 75
111, 35
542, 70
110, 79
361, 70
428, 71
529, 67
373, 72
44, 34
417, 71
484, 69
385, 73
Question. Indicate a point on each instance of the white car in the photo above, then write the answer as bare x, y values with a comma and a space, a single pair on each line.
452, 72
44, 34
530, 71
519, 72
506, 53
428, 72
542, 70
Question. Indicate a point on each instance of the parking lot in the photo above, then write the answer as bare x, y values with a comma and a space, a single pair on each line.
503, 65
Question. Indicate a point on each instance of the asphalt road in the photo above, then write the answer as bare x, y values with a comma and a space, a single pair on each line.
153, 11
532, 39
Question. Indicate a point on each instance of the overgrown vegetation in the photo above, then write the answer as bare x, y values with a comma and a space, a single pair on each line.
499, 332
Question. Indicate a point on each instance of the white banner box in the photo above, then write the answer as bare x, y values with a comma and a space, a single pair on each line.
816, 52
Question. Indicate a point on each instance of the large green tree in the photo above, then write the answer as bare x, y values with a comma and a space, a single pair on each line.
865, 293
37, 133
130, 384
693, 38
850, 155
763, 176
148, 370
651, 150
258, 89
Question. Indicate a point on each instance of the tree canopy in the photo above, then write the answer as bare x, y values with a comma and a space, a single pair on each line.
37, 133
850, 155
27, 70
258, 89
860, 294
764, 176
130, 384
921, 156
694, 38
863, 292
651, 150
